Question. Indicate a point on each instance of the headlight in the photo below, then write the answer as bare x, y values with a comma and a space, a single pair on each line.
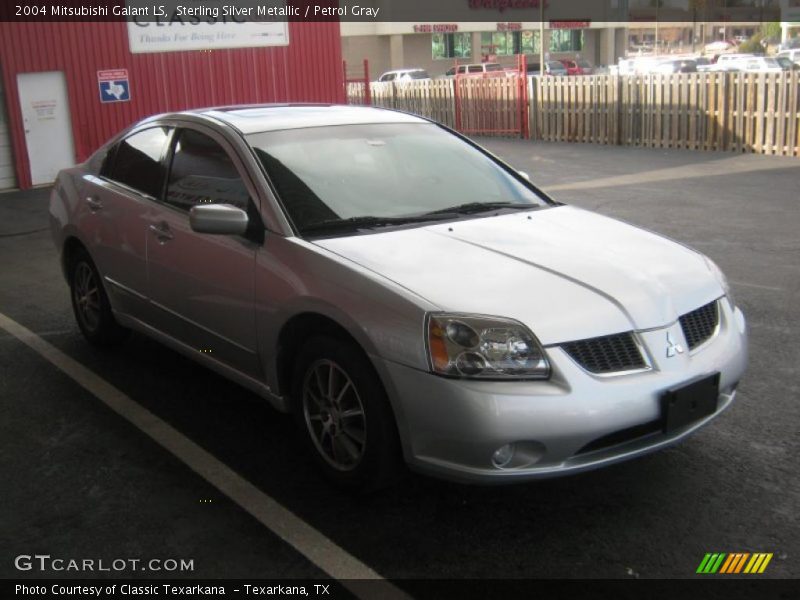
720, 277
484, 348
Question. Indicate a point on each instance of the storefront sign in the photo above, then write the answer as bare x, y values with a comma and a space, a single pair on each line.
570, 24
509, 26
436, 28
177, 34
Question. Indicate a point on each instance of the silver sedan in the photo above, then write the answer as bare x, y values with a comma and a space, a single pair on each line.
406, 295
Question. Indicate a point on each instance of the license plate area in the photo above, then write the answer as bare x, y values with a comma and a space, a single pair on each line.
689, 403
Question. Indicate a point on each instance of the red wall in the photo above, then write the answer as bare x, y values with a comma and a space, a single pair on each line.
309, 69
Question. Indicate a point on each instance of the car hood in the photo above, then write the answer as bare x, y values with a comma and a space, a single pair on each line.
565, 272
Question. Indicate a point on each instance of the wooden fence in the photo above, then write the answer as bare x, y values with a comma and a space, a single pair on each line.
739, 112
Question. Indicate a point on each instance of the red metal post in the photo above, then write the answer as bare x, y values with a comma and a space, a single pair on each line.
367, 91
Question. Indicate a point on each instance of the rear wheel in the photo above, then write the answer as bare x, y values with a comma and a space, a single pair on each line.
90, 303
344, 415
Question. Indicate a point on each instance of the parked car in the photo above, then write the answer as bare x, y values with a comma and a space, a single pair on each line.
488, 68
792, 55
703, 63
578, 67
400, 290
730, 62
680, 65
720, 46
551, 67
786, 64
756, 64
404, 75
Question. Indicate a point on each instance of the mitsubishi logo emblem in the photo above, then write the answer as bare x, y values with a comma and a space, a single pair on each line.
672, 347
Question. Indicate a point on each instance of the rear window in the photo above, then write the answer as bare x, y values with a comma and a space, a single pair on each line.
137, 161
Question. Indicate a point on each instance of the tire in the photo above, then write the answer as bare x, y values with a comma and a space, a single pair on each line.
90, 304
346, 423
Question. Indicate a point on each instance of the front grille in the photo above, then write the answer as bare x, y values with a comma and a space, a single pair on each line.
607, 354
699, 325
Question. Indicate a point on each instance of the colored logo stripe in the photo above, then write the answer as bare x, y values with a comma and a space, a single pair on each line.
733, 563
758, 563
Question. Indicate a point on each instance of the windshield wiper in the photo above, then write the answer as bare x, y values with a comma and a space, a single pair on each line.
476, 207
368, 222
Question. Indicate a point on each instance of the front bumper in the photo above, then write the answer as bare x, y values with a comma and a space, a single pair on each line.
573, 422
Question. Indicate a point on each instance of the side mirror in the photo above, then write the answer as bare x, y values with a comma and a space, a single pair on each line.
525, 175
221, 219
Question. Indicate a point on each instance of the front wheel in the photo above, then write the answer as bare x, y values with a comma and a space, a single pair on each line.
344, 415
90, 303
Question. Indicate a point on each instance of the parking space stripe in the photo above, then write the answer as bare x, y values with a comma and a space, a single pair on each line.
315, 546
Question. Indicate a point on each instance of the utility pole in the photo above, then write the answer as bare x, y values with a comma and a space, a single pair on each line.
658, 3
541, 37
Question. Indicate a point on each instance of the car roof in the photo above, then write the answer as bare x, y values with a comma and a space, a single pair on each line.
275, 117
402, 71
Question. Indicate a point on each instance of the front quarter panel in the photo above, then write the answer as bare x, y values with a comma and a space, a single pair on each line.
294, 276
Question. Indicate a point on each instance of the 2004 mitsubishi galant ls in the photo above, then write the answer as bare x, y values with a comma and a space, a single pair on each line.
403, 292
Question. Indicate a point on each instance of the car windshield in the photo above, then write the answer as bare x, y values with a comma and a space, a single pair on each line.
372, 174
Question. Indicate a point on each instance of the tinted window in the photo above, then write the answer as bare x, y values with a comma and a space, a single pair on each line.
494, 67
203, 173
475, 69
137, 161
419, 75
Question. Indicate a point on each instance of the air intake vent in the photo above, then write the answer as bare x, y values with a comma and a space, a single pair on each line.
607, 354
699, 325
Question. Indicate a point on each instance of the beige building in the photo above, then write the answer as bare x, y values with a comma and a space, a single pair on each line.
436, 47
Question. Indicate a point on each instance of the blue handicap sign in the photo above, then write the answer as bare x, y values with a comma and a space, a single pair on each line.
114, 91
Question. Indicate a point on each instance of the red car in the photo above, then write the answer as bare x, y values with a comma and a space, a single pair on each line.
578, 67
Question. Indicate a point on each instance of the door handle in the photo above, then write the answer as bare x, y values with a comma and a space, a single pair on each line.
94, 204
162, 232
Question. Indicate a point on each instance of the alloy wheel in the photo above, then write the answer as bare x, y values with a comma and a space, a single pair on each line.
334, 415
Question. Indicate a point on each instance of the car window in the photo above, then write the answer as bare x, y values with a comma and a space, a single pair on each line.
381, 170
137, 161
202, 172
494, 67
418, 75
451, 71
476, 69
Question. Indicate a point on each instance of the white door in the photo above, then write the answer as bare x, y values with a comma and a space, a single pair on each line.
7, 179
46, 117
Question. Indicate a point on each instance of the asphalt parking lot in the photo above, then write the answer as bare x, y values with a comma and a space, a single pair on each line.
82, 482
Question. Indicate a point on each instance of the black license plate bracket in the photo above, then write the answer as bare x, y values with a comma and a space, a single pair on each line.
689, 403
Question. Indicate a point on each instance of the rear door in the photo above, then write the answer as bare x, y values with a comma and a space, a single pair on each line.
114, 214
202, 286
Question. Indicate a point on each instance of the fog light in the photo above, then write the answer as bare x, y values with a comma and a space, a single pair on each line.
502, 456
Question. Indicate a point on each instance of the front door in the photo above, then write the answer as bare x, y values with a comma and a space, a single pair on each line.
202, 286
48, 129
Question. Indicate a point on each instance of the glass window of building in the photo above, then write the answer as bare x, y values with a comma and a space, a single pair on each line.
451, 45
566, 40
